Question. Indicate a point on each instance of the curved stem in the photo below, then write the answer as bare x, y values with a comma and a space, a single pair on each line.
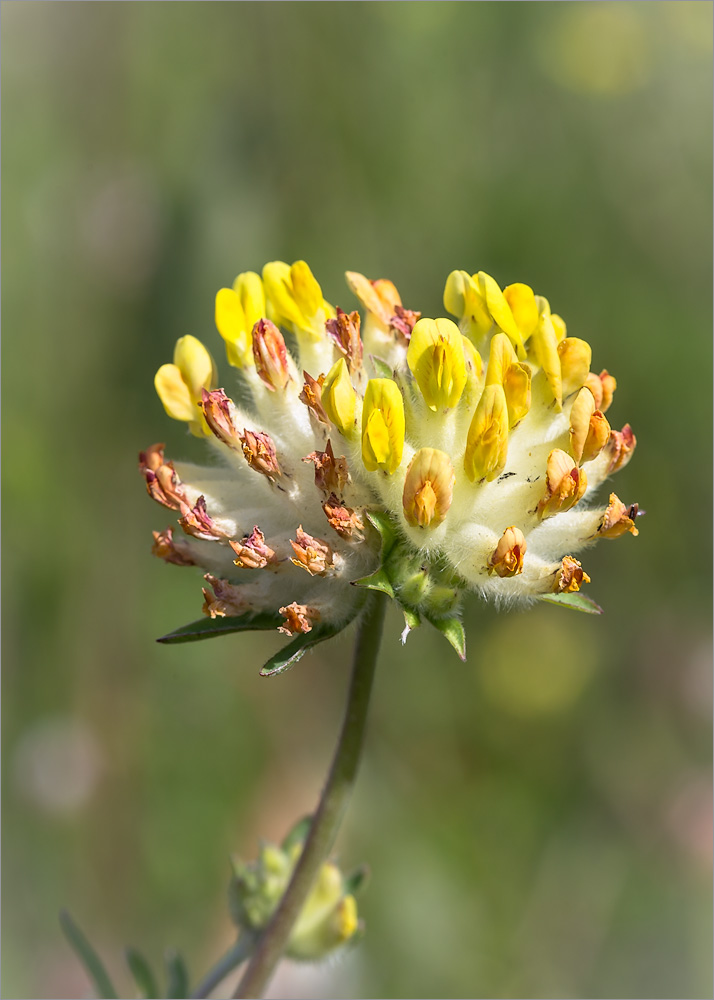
333, 802
234, 957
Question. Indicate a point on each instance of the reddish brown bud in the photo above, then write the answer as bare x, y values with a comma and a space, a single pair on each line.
252, 552
507, 558
311, 396
618, 519
270, 355
196, 522
299, 618
343, 519
312, 554
217, 411
226, 600
619, 448
260, 453
176, 552
403, 322
570, 576
331, 475
162, 482
344, 331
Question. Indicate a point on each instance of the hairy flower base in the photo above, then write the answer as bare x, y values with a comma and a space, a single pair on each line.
422, 457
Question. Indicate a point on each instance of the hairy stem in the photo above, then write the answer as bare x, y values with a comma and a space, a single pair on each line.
331, 808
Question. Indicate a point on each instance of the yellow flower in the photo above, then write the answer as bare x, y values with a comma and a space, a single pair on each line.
179, 384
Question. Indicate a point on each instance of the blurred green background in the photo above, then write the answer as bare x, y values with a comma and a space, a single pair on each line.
537, 820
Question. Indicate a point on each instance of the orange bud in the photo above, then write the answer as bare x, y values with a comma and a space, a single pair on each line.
331, 475
609, 384
565, 484
312, 554
176, 552
618, 519
343, 519
428, 488
197, 522
226, 600
507, 558
259, 452
569, 577
216, 408
299, 618
162, 481
598, 436
594, 383
311, 396
619, 448
252, 551
270, 355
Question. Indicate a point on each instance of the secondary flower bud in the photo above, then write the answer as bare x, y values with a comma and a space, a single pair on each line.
570, 577
270, 355
299, 618
179, 385
487, 439
382, 425
618, 519
507, 558
428, 488
260, 454
565, 484
331, 474
339, 399
252, 552
312, 554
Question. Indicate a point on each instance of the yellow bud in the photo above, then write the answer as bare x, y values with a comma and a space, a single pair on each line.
345, 919
428, 488
487, 439
279, 294
543, 347
517, 387
523, 305
233, 327
382, 425
306, 291
501, 357
249, 289
339, 400
575, 357
582, 410
295, 297
463, 299
436, 359
179, 385
598, 436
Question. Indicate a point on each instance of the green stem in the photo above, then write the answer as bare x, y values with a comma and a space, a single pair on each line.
332, 806
234, 957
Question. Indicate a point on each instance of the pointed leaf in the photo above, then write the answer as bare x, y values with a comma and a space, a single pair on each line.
141, 971
381, 368
576, 601
298, 834
207, 628
381, 523
453, 631
177, 973
289, 655
91, 961
357, 880
411, 621
377, 581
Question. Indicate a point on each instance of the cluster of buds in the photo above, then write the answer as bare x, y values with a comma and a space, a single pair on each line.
473, 445
328, 919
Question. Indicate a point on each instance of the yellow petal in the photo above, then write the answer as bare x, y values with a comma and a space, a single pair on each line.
339, 399
500, 358
249, 289
543, 346
561, 330
517, 387
306, 291
173, 393
575, 357
580, 414
436, 359
463, 299
382, 425
500, 309
279, 294
233, 327
196, 365
523, 305
487, 439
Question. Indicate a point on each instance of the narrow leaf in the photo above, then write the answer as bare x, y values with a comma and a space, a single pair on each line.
141, 971
298, 834
453, 631
381, 368
357, 880
178, 985
289, 655
411, 621
207, 628
381, 523
377, 581
576, 601
91, 961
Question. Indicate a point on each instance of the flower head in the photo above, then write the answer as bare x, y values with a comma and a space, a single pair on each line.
421, 457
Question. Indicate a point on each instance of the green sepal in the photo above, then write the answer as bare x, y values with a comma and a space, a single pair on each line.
452, 629
297, 834
207, 628
381, 368
142, 973
377, 581
576, 601
289, 655
411, 621
93, 965
387, 532
177, 976
357, 880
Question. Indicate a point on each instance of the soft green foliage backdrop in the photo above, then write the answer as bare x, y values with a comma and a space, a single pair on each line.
538, 819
